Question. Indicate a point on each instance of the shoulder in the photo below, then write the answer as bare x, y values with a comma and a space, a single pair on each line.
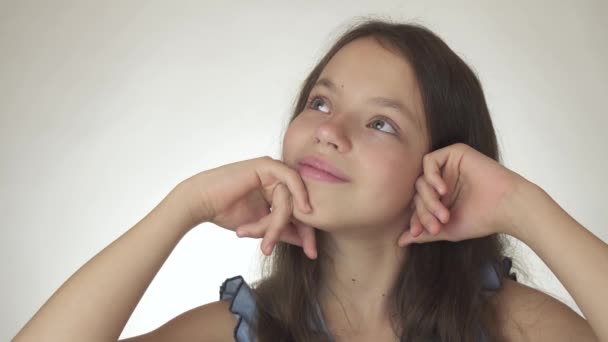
528, 314
208, 322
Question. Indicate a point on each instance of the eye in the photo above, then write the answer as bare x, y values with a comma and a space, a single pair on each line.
312, 102
384, 120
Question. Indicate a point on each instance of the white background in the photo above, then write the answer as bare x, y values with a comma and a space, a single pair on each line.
105, 106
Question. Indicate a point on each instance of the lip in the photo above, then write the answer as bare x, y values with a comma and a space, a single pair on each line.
320, 169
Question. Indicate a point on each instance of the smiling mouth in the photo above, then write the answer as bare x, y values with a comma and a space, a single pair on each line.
325, 167
307, 171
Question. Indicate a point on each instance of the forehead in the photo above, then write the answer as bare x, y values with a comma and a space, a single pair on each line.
365, 69
364, 59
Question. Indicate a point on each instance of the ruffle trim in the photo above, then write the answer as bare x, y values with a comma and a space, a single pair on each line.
242, 305
492, 274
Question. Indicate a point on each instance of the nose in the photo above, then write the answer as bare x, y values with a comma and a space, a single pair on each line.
332, 133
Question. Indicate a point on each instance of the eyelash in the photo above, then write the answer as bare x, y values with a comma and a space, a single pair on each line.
387, 120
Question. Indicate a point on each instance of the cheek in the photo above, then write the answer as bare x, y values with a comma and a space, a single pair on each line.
394, 178
292, 140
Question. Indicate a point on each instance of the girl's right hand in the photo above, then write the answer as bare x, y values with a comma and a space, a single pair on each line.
255, 198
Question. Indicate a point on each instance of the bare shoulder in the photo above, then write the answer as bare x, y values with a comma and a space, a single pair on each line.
528, 314
209, 322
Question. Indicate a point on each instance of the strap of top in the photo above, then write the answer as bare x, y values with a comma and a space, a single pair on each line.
242, 301
242, 305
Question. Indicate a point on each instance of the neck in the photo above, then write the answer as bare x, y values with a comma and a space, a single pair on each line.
358, 274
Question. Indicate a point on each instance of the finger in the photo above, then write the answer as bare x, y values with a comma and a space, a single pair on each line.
427, 219
425, 236
309, 240
254, 229
430, 198
294, 182
432, 164
408, 239
416, 227
257, 230
290, 235
279, 218
413, 229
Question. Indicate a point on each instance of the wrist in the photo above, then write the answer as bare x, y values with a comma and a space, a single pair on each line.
177, 206
529, 205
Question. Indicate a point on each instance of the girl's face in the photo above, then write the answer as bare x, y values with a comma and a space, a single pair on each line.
377, 145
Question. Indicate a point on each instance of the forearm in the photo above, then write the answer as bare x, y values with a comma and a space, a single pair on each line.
577, 257
95, 303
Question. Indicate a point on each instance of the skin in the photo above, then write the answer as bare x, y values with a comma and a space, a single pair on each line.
361, 239
394, 172
381, 150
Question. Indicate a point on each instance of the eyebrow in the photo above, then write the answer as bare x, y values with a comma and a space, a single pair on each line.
378, 100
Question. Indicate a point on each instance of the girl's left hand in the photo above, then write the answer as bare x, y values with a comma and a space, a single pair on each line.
462, 194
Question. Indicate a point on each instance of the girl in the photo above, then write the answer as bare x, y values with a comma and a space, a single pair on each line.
382, 219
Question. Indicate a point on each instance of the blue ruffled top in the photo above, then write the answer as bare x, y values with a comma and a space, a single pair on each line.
242, 302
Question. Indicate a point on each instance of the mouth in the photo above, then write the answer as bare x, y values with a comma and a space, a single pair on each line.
318, 169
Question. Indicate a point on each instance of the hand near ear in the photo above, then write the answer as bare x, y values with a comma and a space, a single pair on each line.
462, 194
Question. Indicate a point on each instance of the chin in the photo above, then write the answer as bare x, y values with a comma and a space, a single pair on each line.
320, 222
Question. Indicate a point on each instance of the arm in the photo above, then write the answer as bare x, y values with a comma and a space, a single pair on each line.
95, 303
209, 322
527, 314
577, 257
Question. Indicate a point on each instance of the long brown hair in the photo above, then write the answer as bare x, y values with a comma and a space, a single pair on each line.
438, 292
